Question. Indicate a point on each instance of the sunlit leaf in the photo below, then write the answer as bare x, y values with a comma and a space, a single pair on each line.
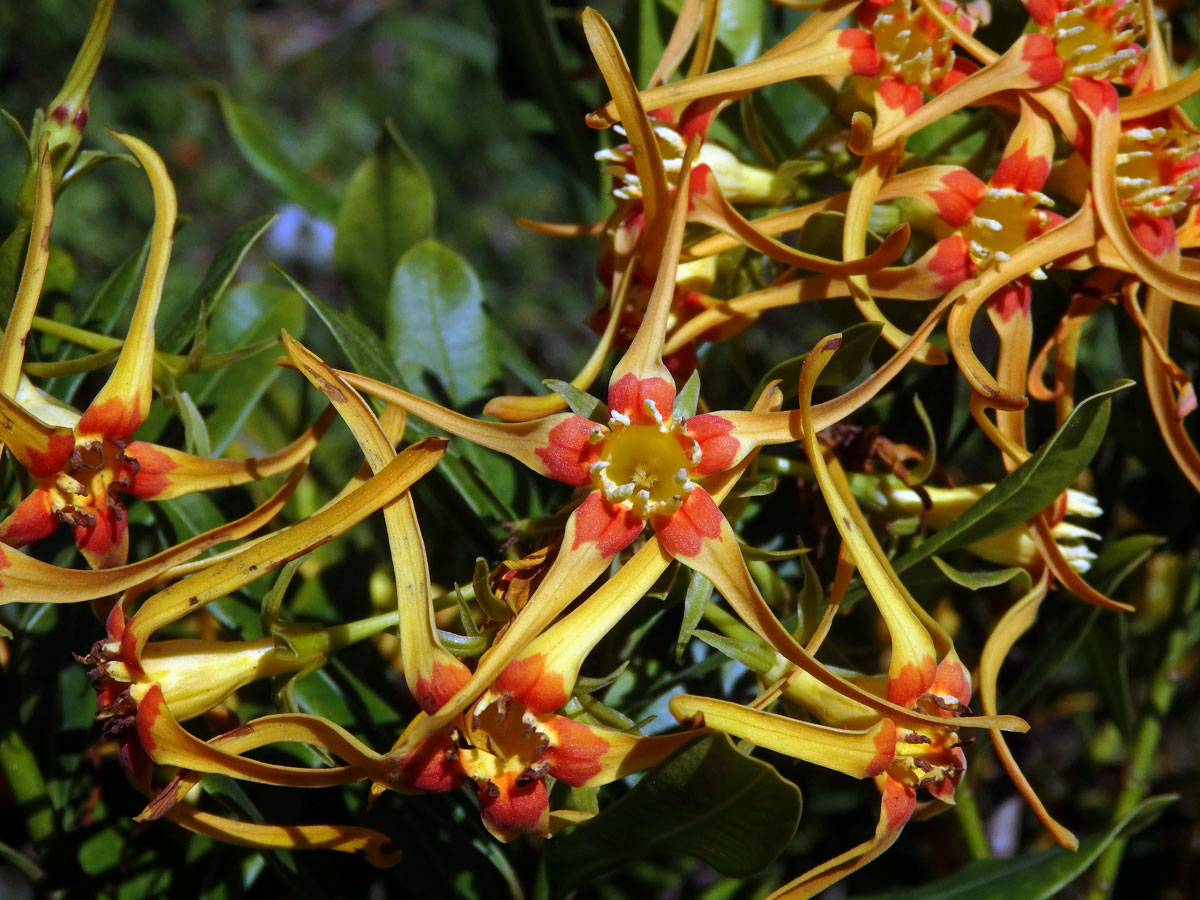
388, 207
436, 323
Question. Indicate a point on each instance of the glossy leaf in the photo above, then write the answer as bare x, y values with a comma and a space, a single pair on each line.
251, 312
388, 207
212, 287
260, 147
976, 581
1039, 877
1032, 486
436, 323
706, 800
365, 351
366, 354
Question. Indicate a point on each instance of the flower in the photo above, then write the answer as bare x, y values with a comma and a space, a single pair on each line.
173, 680
83, 464
924, 676
510, 740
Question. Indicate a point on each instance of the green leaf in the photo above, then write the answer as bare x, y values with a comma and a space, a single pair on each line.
259, 145
367, 355
706, 800
1038, 877
924, 469
1033, 485
581, 402
1106, 649
847, 362
699, 591
364, 349
751, 654
250, 313
89, 159
978, 580
387, 208
688, 397
436, 322
740, 28
213, 285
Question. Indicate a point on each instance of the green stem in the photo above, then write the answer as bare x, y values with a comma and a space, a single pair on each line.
966, 810
80, 336
1145, 743
781, 465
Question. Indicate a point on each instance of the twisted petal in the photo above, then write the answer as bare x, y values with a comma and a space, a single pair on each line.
432, 673
124, 401
859, 754
24, 579
1015, 623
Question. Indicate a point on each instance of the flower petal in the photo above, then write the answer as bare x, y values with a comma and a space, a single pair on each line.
169, 744
28, 580
33, 273
32, 520
124, 401
848, 51
1011, 626
859, 754
895, 810
589, 756
163, 472
432, 673
520, 440
271, 552
40, 448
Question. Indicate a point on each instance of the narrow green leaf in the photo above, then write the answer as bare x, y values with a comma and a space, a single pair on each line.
706, 800
688, 397
1106, 649
976, 581
388, 207
925, 468
363, 348
751, 654
251, 312
1033, 485
89, 159
212, 286
810, 601
259, 146
699, 591
195, 428
436, 322
580, 402
1038, 877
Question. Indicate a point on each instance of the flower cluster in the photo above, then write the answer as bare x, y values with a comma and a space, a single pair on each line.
1071, 166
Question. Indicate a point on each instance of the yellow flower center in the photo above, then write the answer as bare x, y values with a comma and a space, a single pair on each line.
645, 466
1095, 37
925, 754
500, 737
1001, 224
82, 489
910, 49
